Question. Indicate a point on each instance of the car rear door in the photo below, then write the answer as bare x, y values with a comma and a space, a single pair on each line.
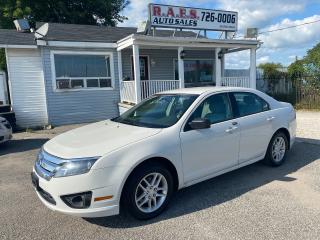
206, 151
256, 125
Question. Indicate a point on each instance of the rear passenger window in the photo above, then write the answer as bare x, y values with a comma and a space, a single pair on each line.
249, 103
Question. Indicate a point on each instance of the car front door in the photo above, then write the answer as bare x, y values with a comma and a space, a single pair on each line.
256, 125
210, 150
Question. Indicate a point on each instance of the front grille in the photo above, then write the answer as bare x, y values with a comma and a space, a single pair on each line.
46, 165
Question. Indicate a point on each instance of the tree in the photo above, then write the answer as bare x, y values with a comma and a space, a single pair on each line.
312, 61
271, 70
308, 67
103, 12
272, 74
296, 69
92, 12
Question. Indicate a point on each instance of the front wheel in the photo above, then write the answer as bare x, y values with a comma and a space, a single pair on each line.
148, 191
277, 150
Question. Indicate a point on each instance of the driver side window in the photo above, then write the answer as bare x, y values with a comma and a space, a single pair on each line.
216, 108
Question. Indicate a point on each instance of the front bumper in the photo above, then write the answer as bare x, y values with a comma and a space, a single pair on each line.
5, 135
92, 181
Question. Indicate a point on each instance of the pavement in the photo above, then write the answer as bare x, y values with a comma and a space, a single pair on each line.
254, 202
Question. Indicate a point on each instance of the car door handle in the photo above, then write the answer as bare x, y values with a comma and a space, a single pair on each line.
231, 129
270, 118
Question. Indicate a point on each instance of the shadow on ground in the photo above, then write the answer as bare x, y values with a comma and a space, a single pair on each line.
21, 145
223, 188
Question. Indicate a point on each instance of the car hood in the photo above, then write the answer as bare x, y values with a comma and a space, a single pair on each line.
96, 139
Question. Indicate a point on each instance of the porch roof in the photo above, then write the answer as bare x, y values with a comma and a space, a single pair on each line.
192, 42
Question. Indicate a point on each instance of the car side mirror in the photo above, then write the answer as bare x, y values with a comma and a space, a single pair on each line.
200, 123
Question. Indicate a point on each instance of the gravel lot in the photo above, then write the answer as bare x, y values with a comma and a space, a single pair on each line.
255, 202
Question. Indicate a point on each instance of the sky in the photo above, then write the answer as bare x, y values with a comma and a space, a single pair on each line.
279, 47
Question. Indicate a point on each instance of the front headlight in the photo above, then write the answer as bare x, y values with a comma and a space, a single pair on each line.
74, 167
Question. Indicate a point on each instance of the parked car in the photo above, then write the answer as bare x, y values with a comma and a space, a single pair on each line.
5, 130
167, 142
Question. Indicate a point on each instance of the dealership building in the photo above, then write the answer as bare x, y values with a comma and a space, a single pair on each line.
66, 73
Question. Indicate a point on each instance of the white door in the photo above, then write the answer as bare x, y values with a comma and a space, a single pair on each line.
210, 150
256, 125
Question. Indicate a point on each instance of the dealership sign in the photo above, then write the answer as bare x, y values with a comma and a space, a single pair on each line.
192, 18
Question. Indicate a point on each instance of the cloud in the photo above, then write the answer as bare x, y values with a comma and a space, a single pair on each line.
136, 12
260, 13
263, 59
237, 60
279, 47
292, 37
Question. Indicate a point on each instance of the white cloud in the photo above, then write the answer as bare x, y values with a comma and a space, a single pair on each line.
279, 47
136, 12
259, 13
292, 37
263, 59
237, 60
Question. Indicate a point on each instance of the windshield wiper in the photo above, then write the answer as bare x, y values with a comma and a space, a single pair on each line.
126, 122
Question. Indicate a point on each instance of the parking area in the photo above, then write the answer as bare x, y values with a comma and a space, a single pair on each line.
255, 202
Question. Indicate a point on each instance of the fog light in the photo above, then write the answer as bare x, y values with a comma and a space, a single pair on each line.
78, 200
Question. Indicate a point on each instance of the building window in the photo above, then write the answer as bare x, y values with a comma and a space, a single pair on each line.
82, 71
196, 72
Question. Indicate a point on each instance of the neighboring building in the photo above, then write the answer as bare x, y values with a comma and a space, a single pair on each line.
79, 73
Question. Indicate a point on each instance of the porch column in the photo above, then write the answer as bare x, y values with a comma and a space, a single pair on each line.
136, 67
217, 67
253, 76
120, 66
222, 65
180, 68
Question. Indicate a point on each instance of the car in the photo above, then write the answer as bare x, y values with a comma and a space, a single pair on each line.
169, 141
5, 130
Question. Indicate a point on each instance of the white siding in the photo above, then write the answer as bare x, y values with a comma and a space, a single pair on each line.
27, 87
3, 88
83, 106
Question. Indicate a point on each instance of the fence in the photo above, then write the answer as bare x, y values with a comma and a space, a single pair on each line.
303, 92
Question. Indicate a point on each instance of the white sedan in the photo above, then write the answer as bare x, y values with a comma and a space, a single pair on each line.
167, 142
5, 130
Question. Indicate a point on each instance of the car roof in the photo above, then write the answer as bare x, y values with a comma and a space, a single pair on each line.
202, 90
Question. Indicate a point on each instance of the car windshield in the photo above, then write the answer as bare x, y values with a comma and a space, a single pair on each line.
159, 111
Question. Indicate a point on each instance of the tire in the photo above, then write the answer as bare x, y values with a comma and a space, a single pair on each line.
156, 195
277, 150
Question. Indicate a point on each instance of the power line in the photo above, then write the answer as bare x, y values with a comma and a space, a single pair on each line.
298, 25
284, 28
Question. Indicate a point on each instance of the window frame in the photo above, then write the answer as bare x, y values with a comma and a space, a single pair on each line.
195, 59
185, 127
85, 88
235, 105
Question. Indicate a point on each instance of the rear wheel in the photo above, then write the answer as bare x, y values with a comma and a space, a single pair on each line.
277, 150
148, 191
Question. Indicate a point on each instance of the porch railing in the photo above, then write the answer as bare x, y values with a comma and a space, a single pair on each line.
235, 81
127, 91
150, 87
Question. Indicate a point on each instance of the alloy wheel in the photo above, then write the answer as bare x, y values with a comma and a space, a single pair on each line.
151, 192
